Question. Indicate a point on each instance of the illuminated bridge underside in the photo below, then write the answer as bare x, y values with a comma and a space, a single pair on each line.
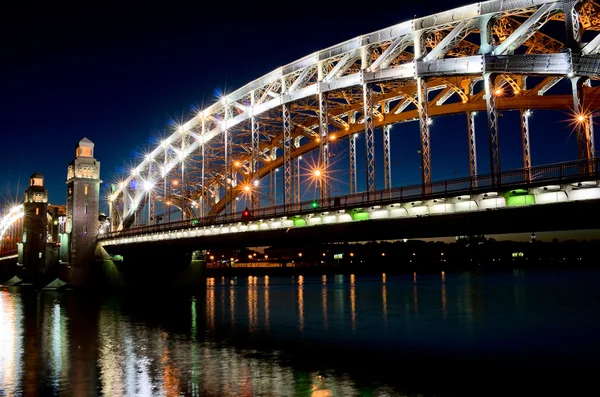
557, 184
487, 57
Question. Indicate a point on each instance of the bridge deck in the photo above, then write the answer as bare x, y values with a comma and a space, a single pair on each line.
583, 173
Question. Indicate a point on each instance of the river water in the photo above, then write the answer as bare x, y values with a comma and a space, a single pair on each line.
472, 333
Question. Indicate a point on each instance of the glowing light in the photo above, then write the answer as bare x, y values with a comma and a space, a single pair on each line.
517, 92
528, 113
148, 186
318, 139
247, 188
224, 100
355, 135
498, 91
169, 203
111, 197
581, 118
256, 182
383, 254
237, 164
317, 173
122, 185
175, 182
570, 74
429, 121
332, 137
300, 254
299, 157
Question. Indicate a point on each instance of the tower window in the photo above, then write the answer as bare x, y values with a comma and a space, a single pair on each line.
85, 189
37, 211
85, 208
85, 230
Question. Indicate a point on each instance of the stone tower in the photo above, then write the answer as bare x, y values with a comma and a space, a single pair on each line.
78, 244
35, 226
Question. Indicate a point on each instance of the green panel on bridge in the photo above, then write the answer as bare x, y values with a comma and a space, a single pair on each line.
359, 216
299, 222
515, 201
515, 192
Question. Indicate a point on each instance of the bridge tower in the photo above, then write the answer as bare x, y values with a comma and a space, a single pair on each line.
78, 243
32, 252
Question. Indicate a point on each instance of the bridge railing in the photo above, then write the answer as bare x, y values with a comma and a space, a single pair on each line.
559, 173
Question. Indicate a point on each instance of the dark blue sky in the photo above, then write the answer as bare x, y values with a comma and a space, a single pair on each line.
118, 73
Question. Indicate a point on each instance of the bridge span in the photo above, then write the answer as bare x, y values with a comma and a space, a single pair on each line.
558, 197
487, 58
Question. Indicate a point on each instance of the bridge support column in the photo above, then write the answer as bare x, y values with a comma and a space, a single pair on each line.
324, 145
203, 192
492, 116
424, 123
255, 196
584, 124
472, 148
525, 114
352, 156
387, 156
228, 151
287, 157
369, 137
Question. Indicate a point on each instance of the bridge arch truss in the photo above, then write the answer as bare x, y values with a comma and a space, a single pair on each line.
484, 57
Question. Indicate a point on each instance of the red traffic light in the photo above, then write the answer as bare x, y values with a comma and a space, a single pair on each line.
246, 213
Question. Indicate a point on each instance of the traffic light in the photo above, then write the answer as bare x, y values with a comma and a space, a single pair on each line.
246, 215
314, 204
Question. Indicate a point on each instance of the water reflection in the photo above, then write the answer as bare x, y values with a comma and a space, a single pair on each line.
324, 300
301, 303
170, 344
353, 302
11, 343
384, 299
444, 300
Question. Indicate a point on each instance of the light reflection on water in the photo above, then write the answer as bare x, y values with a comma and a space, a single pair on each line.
272, 336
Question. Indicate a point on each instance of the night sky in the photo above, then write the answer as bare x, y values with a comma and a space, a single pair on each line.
119, 74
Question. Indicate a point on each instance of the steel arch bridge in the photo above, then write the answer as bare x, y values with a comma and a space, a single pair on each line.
480, 57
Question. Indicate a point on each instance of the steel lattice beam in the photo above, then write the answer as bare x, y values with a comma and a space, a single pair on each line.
387, 157
472, 145
492, 116
525, 142
352, 158
324, 145
424, 123
369, 138
287, 156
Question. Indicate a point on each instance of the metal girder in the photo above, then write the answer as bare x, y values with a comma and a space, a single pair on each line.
352, 157
343, 65
492, 116
369, 137
287, 156
390, 53
526, 30
424, 124
228, 146
546, 84
583, 120
472, 146
572, 23
255, 197
151, 198
324, 145
203, 192
452, 39
525, 142
302, 79
387, 156
592, 47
